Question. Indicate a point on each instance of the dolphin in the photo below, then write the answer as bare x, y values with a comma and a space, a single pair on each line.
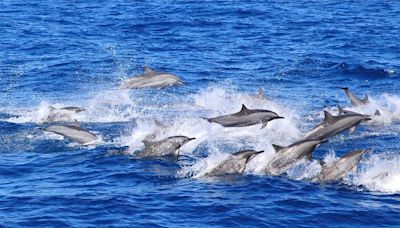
333, 125
346, 112
353, 99
340, 168
74, 133
164, 147
61, 114
287, 157
260, 95
245, 117
151, 79
234, 164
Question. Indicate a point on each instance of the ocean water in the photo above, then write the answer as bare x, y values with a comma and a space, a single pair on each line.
77, 53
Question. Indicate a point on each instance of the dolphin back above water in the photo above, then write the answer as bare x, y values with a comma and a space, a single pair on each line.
353, 99
287, 157
340, 168
74, 133
343, 111
234, 164
61, 114
151, 79
164, 147
333, 125
245, 117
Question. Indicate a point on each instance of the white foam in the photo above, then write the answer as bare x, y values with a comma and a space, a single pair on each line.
379, 173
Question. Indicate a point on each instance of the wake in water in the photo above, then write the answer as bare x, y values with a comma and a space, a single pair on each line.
215, 143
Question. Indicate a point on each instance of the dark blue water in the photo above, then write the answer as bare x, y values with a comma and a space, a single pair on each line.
300, 52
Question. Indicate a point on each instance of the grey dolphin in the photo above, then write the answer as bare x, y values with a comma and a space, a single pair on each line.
245, 117
61, 114
287, 157
353, 99
74, 133
346, 112
340, 168
333, 125
234, 164
151, 79
164, 147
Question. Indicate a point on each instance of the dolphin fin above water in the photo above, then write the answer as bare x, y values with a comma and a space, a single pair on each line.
277, 148
244, 110
148, 71
328, 118
352, 130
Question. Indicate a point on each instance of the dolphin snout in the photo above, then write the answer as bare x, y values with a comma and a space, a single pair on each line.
254, 154
189, 139
279, 117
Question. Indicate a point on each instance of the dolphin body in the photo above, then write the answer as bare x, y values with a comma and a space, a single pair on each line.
164, 147
287, 157
151, 79
346, 112
74, 133
245, 117
353, 99
61, 114
339, 169
333, 125
234, 164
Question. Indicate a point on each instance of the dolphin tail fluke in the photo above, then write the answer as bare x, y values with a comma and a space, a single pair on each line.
345, 88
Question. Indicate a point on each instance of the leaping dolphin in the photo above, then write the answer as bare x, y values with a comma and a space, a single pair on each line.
340, 168
151, 79
234, 164
353, 99
167, 146
333, 125
74, 133
245, 117
287, 157
61, 114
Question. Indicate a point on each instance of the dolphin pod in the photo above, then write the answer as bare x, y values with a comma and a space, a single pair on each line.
284, 158
245, 117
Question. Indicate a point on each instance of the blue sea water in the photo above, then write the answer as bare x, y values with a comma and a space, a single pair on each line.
64, 53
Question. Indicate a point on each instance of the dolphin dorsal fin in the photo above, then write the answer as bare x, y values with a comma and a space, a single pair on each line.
148, 71
328, 118
341, 111
244, 110
377, 113
366, 99
277, 148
